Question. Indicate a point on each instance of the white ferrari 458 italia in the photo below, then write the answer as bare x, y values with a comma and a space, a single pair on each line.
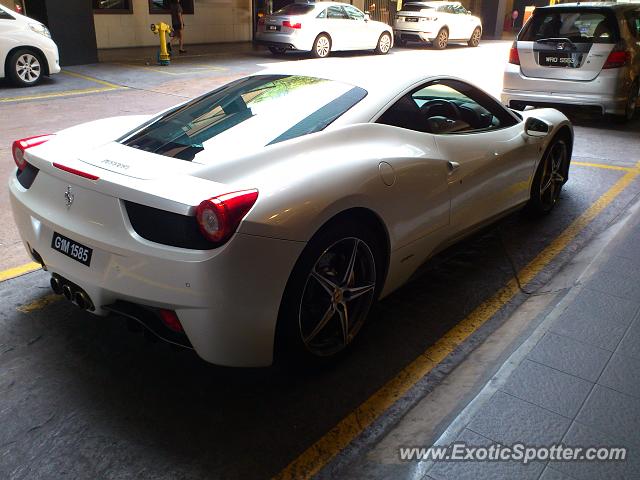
268, 215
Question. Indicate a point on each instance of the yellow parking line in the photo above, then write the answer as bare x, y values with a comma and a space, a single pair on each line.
605, 166
17, 271
59, 94
335, 440
83, 91
91, 79
40, 303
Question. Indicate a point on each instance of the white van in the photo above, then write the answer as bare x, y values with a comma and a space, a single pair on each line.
26, 49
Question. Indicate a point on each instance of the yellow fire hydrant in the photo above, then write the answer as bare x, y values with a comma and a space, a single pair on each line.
162, 29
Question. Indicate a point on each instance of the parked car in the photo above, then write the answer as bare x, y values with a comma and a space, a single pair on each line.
26, 49
269, 214
437, 23
321, 28
585, 54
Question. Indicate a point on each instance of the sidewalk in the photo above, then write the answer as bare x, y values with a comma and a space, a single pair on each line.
576, 381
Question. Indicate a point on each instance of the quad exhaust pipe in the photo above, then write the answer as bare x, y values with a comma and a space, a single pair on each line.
72, 292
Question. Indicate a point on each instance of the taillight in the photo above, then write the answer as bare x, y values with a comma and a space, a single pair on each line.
219, 217
617, 59
19, 147
514, 56
287, 23
171, 321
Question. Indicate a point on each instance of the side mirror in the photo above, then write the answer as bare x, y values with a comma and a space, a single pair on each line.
534, 127
366, 17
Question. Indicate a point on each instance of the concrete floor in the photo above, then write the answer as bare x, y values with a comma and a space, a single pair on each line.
80, 397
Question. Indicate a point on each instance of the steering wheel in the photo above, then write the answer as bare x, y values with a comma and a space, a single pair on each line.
441, 108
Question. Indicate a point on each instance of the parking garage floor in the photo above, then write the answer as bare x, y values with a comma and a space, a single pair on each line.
81, 397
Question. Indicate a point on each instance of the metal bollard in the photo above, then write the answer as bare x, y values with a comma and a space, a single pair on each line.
162, 29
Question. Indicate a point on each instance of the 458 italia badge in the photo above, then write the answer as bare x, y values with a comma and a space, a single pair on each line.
69, 197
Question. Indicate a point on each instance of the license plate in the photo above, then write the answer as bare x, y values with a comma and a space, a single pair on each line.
273, 28
556, 60
71, 249
409, 19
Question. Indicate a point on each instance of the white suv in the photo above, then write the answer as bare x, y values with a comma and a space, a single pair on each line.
26, 49
438, 23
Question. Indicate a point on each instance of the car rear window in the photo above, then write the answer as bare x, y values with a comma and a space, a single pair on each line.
246, 115
294, 9
414, 7
578, 25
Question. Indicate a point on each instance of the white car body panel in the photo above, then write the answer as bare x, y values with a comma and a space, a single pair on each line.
228, 298
432, 19
15, 33
345, 34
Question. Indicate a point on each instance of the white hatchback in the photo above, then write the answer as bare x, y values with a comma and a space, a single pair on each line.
321, 28
437, 23
26, 49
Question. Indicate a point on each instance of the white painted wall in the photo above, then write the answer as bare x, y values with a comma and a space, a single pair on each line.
213, 21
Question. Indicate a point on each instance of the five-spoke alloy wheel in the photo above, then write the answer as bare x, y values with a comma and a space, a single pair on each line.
330, 291
549, 178
337, 295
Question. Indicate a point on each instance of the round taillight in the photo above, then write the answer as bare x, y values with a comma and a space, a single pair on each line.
18, 155
19, 147
219, 217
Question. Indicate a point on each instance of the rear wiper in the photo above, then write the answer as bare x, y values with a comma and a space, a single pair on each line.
556, 40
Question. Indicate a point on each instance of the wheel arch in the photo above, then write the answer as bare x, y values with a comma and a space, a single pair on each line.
41, 56
364, 215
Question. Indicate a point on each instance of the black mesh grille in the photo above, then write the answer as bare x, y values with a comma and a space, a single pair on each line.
27, 175
167, 228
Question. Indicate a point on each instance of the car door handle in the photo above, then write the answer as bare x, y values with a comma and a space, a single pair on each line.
453, 166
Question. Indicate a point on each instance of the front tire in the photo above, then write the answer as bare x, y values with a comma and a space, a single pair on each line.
321, 46
329, 293
384, 44
549, 178
25, 68
442, 39
474, 41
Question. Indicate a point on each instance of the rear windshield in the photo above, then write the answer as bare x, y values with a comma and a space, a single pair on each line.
414, 7
578, 25
294, 9
246, 115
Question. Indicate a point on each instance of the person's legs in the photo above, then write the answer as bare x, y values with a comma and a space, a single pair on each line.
181, 39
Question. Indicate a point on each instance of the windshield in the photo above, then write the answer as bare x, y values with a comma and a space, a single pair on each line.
246, 115
415, 7
294, 9
577, 25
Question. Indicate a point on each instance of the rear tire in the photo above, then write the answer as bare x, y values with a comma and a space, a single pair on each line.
442, 39
25, 68
549, 178
384, 44
632, 103
321, 46
317, 323
474, 41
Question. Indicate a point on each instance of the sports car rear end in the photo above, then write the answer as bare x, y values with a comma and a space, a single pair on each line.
124, 215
